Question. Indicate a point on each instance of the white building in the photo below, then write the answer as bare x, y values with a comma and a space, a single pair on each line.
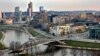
60, 30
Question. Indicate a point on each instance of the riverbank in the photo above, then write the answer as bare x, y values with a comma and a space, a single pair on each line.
1, 45
81, 45
35, 34
1, 35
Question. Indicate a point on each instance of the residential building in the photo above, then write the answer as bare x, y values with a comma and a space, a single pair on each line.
60, 30
60, 19
83, 15
17, 9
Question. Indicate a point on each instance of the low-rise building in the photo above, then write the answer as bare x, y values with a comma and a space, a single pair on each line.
60, 19
94, 33
9, 21
78, 28
60, 30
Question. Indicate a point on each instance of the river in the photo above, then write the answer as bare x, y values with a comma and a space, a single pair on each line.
14, 36
22, 37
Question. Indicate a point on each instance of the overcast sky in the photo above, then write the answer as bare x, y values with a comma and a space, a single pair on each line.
8, 5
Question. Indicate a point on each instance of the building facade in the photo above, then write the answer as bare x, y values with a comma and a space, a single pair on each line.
17, 14
94, 33
60, 30
60, 19
30, 9
0, 15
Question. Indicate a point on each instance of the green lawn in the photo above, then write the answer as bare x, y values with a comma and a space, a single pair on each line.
33, 33
2, 46
82, 44
36, 34
1, 35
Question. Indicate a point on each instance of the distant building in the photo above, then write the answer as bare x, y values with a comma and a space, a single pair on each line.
17, 9
76, 27
0, 15
30, 9
9, 21
94, 33
50, 18
83, 15
60, 19
60, 30
17, 14
41, 8
7, 14
42, 17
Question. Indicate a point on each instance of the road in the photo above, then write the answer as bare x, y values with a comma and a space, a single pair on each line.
76, 37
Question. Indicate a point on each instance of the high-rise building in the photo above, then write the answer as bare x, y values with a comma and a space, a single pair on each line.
0, 15
17, 9
17, 14
41, 8
30, 9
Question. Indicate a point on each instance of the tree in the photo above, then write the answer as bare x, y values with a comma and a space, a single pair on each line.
79, 31
14, 45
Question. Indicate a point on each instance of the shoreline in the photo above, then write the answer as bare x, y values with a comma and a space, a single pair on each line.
79, 45
83, 48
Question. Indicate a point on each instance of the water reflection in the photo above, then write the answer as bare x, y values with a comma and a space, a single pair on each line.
16, 36
71, 52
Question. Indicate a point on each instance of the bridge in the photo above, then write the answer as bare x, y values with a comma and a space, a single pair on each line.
11, 27
36, 41
46, 40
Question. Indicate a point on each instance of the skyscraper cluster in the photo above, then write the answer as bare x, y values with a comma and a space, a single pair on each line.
18, 14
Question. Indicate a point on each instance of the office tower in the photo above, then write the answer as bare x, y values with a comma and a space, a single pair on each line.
30, 9
17, 14
0, 15
17, 9
41, 8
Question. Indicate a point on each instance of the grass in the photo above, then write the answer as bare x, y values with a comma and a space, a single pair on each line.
33, 33
1, 35
36, 34
2, 46
82, 44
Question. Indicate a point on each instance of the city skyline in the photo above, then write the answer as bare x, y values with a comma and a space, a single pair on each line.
58, 5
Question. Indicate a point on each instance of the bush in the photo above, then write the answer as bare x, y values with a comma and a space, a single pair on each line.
1, 35
79, 31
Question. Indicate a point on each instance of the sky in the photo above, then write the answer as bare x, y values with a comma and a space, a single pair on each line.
57, 5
